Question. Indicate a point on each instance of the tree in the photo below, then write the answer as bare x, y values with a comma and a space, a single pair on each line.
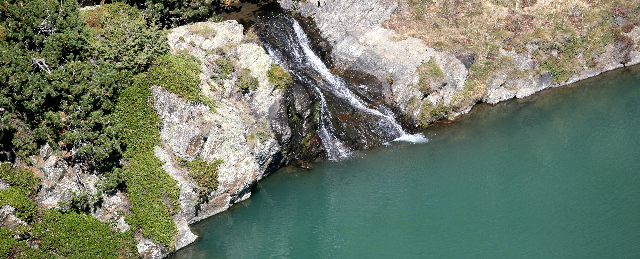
172, 13
50, 90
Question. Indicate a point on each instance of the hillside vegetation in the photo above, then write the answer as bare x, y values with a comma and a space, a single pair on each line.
562, 37
79, 83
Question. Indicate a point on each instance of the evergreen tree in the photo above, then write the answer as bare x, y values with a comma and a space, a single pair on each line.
50, 89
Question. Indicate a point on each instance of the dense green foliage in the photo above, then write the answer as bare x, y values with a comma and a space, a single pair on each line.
152, 192
178, 12
75, 235
123, 38
81, 83
179, 75
60, 235
20, 178
18, 197
205, 174
50, 92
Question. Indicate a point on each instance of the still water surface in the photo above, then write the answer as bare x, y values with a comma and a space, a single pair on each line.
552, 176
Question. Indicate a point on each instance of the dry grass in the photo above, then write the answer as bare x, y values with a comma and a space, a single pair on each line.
484, 26
562, 36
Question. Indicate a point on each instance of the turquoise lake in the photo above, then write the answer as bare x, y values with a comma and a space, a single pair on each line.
555, 175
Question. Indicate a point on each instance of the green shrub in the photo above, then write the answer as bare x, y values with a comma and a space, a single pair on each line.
75, 235
50, 89
18, 197
153, 193
123, 38
205, 174
278, 76
7, 243
179, 75
21, 178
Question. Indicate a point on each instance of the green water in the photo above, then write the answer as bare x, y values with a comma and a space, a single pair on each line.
553, 176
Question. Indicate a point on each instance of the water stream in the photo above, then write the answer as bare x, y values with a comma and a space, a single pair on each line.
342, 114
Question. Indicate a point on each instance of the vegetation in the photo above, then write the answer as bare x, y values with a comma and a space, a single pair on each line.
59, 234
152, 192
80, 82
428, 72
179, 75
564, 37
50, 92
278, 76
123, 38
247, 82
80, 236
224, 68
205, 174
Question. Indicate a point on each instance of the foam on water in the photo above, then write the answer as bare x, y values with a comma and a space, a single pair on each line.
415, 138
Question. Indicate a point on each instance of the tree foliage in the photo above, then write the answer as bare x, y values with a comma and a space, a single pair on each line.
122, 37
51, 92
178, 12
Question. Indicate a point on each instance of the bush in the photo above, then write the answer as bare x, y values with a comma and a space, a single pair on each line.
205, 174
148, 186
50, 91
18, 197
75, 235
122, 37
179, 75
20, 178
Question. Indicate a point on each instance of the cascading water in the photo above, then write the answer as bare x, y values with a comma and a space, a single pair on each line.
344, 119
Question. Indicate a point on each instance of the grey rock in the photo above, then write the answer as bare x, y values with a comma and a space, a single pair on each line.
149, 250
8, 218
61, 182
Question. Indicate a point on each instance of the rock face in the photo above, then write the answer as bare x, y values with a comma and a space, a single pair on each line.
237, 132
359, 42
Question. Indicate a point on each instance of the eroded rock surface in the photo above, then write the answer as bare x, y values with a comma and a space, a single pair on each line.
359, 41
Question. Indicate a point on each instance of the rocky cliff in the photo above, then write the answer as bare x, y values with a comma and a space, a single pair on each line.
361, 38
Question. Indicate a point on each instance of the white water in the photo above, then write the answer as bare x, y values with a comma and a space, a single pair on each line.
330, 83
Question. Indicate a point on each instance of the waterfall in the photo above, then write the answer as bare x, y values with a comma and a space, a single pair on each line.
358, 120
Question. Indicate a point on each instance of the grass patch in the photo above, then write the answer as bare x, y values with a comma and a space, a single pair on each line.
428, 72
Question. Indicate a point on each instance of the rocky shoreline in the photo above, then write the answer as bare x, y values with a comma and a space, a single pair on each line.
247, 129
